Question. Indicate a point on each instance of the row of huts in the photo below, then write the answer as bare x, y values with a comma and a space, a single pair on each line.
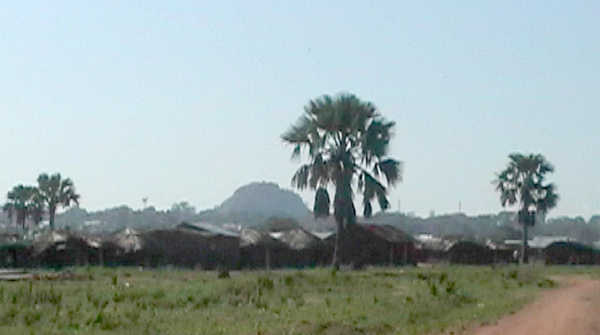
547, 250
206, 246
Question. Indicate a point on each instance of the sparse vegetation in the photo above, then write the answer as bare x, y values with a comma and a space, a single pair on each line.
375, 301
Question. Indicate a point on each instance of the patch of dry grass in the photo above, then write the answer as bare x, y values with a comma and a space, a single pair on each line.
318, 301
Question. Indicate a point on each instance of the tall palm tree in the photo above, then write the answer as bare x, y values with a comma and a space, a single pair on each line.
36, 207
523, 183
55, 192
347, 142
22, 202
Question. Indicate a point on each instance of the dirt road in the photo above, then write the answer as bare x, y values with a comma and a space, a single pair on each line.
572, 310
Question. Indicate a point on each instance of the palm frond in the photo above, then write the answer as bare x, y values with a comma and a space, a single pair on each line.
345, 137
373, 188
319, 174
375, 140
391, 169
549, 199
300, 178
367, 209
523, 181
298, 133
322, 203
297, 151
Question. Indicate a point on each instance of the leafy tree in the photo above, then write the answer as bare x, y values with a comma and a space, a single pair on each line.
55, 192
23, 202
523, 183
347, 141
182, 211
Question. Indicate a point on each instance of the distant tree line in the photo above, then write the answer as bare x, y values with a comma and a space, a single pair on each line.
494, 227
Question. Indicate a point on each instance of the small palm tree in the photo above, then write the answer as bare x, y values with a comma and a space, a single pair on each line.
22, 202
9, 210
54, 192
523, 183
347, 142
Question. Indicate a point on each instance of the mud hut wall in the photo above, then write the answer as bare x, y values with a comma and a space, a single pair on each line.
15, 256
324, 253
71, 252
504, 256
110, 254
363, 247
23, 257
188, 249
570, 253
433, 256
255, 257
404, 253
470, 253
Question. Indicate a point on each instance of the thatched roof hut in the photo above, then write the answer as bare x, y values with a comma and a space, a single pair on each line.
571, 253
260, 250
296, 239
128, 240
300, 249
370, 244
61, 248
465, 252
130, 247
207, 229
254, 237
196, 245
14, 251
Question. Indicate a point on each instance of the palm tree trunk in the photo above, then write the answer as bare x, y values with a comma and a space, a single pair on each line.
22, 219
524, 255
344, 215
51, 218
335, 263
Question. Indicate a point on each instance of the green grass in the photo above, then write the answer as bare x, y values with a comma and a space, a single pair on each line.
319, 301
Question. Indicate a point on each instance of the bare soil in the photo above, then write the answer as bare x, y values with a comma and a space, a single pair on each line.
570, 310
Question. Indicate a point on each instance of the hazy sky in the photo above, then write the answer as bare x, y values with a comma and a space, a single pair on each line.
186, 100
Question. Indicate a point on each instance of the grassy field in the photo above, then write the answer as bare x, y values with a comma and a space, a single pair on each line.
319, 301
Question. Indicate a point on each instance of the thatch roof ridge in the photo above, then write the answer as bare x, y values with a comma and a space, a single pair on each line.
41, 242
388, 233
254, 237
385, 232
207, 228
572, 244
128, 239
297, 239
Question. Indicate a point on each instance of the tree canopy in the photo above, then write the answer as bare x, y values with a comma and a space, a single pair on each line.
523, 183
56, 191
24, 202
347, 142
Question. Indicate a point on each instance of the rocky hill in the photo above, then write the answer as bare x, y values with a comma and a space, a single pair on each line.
265, 199
256, 202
